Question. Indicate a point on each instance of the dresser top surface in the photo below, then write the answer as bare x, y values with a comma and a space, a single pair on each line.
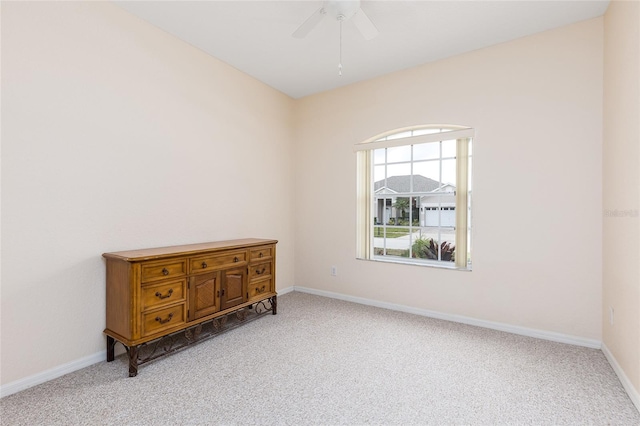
185, 250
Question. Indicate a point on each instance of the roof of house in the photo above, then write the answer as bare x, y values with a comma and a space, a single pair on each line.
402, 184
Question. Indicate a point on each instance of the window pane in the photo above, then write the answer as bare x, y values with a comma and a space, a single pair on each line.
383, 210
426, 151
447, 246
428, 169
449, 172
378, 156
378, 176
398, 185
438, 210
397, 247
449, 148
434, 244
391, 241
422, 183
431, 216
401, 210
399, 153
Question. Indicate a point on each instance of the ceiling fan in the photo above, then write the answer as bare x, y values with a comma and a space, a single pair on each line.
340, 10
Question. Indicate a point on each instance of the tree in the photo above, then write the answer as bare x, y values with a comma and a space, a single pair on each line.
401, 205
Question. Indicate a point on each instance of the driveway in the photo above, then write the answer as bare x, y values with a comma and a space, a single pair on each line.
403, 243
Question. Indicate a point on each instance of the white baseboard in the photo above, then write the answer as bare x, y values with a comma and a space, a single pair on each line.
61, 370
285, 290
53, 373
626, 383
530, 332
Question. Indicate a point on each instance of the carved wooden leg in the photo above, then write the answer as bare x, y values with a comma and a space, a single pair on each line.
133, 361
274, 305
111, 343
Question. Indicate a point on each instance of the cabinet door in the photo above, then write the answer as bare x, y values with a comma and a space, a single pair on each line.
234, 287
204, 295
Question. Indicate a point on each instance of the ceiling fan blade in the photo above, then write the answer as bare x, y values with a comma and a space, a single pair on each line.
309, 24
364, 25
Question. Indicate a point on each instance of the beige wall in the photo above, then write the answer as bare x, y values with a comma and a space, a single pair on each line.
536, 105
621, 181
115, 136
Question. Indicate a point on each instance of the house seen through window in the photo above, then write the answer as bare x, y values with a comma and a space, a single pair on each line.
414, 196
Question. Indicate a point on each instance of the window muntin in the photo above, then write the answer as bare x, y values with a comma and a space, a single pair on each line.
413, 199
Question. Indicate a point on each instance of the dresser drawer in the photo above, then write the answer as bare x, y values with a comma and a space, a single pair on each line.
165, 293
162, 319
203, 264
259, 270
257, 289
154, 271
260, 253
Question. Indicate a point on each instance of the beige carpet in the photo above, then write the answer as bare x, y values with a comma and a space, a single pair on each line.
323, 361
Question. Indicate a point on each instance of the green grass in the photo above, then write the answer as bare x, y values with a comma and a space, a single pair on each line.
392, 232
392, 252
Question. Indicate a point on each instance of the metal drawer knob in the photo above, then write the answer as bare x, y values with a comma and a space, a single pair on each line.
164, 321
204, 265
169, 293
165, 271
235, 259
258, 271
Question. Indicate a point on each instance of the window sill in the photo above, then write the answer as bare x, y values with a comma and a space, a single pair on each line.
404, 261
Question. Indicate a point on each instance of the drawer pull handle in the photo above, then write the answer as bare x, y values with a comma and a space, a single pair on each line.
164, 321
169, 293
204, 265
221, 294
165, 271
235, 259
260, 255
258, 271
260, 290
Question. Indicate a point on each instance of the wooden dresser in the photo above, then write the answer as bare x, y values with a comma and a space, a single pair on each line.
160, 300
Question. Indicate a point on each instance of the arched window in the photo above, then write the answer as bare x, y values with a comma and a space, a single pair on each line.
414, 196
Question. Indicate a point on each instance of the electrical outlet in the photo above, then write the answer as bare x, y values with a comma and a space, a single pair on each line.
334, 271
610, 315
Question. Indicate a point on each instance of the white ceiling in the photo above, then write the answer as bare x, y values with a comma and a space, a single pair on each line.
255, 36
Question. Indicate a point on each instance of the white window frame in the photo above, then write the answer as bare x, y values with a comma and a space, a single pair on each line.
365, 189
